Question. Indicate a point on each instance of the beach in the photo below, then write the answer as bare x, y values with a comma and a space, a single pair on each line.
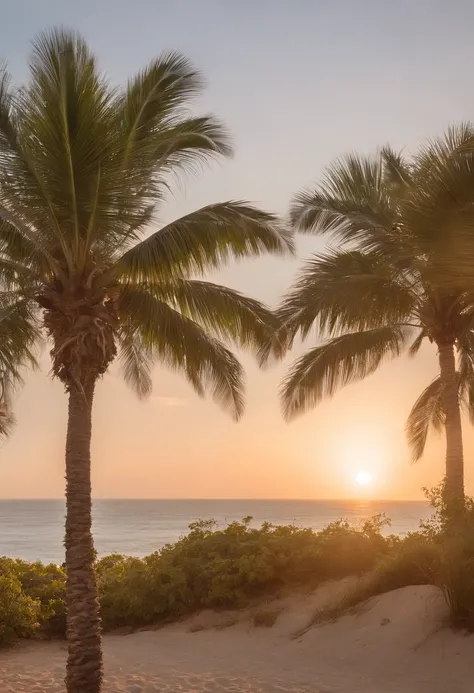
396, 643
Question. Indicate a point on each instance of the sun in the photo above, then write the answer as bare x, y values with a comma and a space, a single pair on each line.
363, 478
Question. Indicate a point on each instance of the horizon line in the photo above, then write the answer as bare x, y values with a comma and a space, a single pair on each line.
240, 499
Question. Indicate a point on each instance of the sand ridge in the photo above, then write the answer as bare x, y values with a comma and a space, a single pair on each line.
397, 643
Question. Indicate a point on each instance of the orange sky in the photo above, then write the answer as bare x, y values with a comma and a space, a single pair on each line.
177, 445
316, 83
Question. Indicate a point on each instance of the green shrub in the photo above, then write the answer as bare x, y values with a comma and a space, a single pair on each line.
345, 550
454, 539
238, 565
441, 554
415, 560
47, 584
44, 584
265, 618
456, 579
19, 613
228, 568
136, 592
442, 524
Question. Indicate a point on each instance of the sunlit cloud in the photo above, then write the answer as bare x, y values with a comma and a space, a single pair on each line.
168, 402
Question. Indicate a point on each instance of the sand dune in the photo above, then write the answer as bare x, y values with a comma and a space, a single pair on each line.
397, 643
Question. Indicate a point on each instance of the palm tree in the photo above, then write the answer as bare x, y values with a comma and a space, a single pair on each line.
398, 275
83, 170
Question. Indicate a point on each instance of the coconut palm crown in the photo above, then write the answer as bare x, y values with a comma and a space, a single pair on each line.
399, 274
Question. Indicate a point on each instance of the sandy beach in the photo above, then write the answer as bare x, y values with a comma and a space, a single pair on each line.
396, 643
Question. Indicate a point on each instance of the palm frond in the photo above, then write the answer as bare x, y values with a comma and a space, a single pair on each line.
18, 334
154, 136
135, 360
189, 143
21, 189
14, 274
338, 362
7, 421
20, 242
466, 373
204, 240
427, 411
225, 313
346, 290
440, 212
183, 345
351, 202
70, 108
397, 171
152, 113
416, 344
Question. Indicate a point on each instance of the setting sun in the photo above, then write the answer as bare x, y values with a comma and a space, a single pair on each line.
363, 478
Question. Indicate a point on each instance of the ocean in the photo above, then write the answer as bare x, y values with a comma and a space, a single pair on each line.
33, 529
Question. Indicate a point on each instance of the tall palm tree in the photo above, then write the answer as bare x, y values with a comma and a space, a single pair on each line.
398, 275
83, 170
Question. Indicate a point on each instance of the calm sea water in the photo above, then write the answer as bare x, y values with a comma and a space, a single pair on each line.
33, 530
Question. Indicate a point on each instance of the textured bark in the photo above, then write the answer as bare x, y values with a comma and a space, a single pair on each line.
454, 446
84, 664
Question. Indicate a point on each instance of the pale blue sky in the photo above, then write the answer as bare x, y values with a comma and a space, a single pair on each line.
297, 83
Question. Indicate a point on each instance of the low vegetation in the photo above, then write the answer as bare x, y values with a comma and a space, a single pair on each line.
239, 565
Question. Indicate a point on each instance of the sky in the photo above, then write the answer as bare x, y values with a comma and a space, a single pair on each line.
298, 84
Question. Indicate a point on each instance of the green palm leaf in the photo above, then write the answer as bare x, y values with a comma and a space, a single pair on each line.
204, 240
70, 109
440, 212
352, 202
427, 411
346, 290
151, 116
18, 334
20, 187
342, 360
181, 344
223, 312
135, 360
397, 172
466, 373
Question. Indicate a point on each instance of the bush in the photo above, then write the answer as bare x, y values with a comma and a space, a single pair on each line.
19, 613
47, 585
345, 550
238, 565
415, 560
455, 543
265, 618
457, 584
229, 568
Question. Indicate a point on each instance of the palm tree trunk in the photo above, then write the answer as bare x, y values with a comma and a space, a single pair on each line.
454, 447
84, 664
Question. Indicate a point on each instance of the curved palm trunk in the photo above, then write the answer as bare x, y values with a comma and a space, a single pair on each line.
84, 665
454, 447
